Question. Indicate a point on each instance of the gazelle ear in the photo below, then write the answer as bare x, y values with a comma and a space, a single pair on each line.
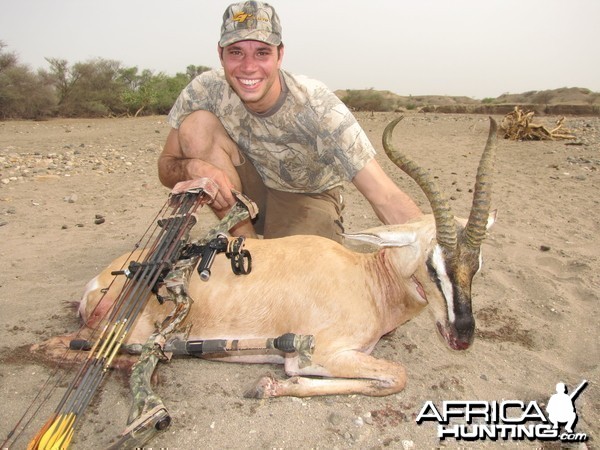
490, 221
375, 239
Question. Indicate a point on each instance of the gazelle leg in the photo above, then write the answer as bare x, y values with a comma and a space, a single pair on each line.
56, 349
348, 372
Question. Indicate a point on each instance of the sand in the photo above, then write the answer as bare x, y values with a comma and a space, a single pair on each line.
535, 300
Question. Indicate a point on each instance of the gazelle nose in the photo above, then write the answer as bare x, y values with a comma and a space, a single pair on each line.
463, 325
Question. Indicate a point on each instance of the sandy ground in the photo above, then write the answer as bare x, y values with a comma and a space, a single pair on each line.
535, 301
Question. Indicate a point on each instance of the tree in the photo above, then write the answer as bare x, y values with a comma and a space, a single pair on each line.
136, 96
149, 93
94, 88
60, 77
193, 71
7, 60
170, 88
90, 88
23, 94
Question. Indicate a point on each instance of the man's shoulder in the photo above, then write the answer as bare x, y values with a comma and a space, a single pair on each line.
305, 84
210, 77
207, 91
314, 94
212, 90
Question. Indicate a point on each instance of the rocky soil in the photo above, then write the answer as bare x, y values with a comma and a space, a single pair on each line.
75, 194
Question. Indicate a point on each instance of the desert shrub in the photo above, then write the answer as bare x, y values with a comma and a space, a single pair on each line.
88, 89
168, 89
94, 88
23, 93
149, 93
193, 71
543, 97
368, 100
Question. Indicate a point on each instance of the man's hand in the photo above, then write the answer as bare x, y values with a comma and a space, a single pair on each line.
176, 164
201, 169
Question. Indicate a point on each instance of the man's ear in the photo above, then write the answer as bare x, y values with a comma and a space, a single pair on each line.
280, 52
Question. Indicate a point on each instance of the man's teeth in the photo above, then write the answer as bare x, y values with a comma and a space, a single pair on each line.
249, 82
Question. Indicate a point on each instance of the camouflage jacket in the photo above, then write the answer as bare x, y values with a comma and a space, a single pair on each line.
309, 143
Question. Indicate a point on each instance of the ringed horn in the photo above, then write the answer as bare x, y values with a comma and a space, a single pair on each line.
446, 232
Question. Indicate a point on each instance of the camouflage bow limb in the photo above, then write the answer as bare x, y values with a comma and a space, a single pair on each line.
148, 415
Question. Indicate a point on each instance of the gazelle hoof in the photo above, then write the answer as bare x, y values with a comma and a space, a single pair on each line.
264, 387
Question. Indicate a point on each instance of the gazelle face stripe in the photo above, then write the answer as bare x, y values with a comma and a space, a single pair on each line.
443, 280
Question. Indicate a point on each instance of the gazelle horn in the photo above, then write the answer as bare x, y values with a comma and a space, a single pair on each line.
476, 226
444, 219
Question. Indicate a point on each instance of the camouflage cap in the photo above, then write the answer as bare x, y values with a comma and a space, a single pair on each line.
255, 21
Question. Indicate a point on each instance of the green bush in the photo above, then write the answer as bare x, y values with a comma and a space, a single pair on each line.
94, 88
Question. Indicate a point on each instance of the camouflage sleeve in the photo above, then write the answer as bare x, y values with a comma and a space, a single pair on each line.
197, 95
355, 149
343, 135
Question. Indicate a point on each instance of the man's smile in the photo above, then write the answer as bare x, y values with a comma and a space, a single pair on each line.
248, 82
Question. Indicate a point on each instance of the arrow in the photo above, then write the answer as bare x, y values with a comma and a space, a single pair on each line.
58, 431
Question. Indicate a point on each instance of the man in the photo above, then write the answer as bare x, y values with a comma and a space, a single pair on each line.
285, 141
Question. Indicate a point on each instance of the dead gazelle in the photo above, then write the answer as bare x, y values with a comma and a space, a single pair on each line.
313, 286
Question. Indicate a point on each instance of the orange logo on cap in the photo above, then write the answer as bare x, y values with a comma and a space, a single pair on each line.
241, 17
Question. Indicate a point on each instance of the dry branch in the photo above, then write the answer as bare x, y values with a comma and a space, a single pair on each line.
518, 126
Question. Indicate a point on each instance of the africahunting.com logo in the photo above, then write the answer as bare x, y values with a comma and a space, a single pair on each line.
508, 419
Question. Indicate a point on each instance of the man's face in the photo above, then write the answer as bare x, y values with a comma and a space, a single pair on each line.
252, 70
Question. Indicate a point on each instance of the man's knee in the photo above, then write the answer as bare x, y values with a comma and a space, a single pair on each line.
200, 120
203, 132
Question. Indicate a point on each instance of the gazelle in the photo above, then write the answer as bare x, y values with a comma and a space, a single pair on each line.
346, 300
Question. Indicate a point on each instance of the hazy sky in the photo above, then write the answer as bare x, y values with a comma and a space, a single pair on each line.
477, 48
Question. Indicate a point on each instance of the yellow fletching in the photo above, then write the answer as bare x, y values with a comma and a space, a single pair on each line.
63, 443
67, 441
43, 442
56, 434
34, 443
